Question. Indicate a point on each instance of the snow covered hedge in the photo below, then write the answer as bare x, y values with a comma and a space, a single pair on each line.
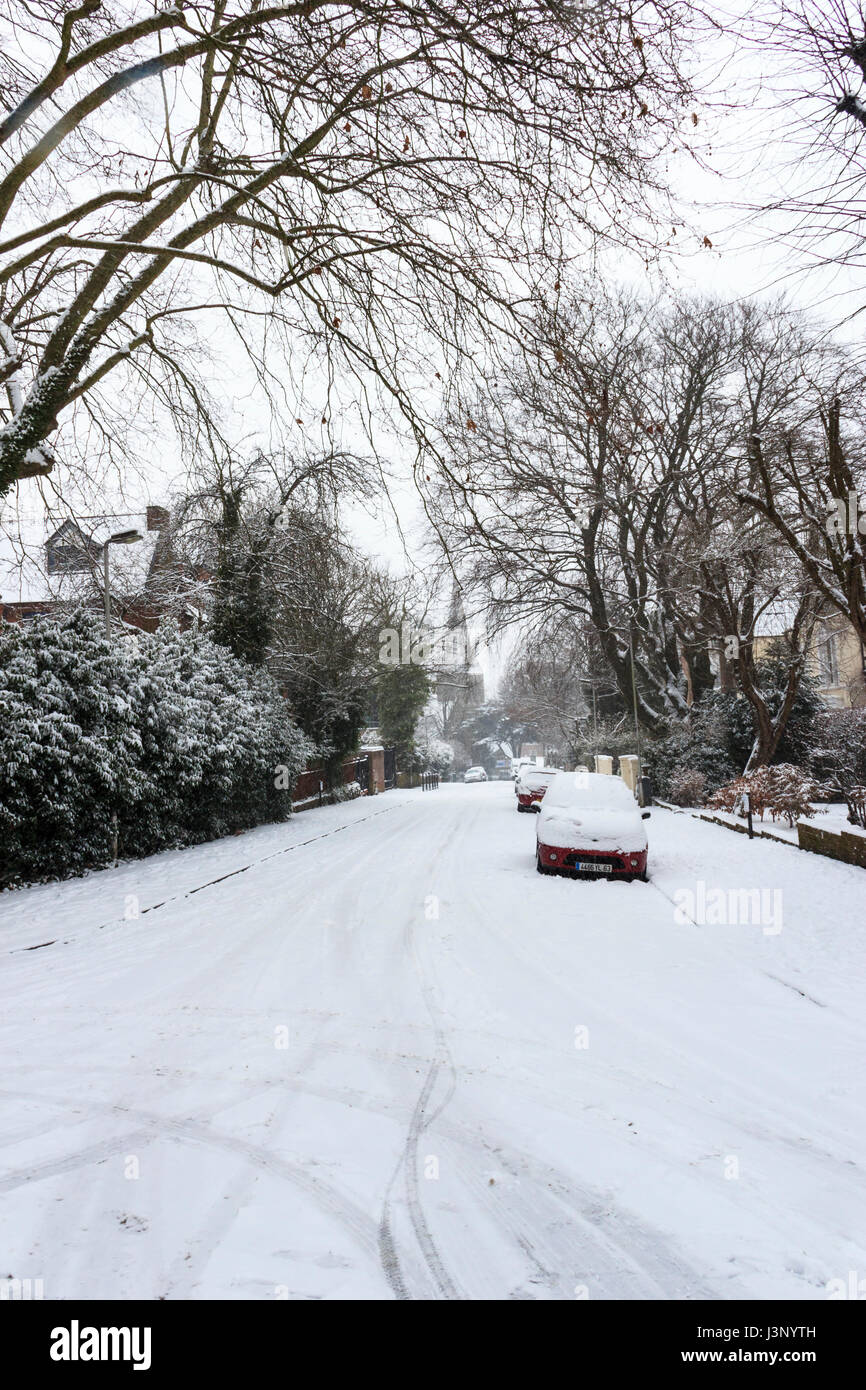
169, 731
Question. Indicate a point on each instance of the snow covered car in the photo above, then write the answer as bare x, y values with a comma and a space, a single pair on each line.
591, 824
475, 774
518, 764
531, 786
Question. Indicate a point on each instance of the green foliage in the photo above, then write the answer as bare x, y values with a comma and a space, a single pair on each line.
401, 693
701, 746
838, 752
240, 618
772, 676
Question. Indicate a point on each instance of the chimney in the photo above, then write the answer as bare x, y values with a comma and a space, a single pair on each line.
157, 518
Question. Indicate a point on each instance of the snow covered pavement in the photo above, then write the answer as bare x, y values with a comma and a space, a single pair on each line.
372, 1053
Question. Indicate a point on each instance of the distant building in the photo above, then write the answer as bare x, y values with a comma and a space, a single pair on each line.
532, 750
48, 562
458, 686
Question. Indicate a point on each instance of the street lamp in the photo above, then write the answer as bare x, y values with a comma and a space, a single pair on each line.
634, 697
119, 538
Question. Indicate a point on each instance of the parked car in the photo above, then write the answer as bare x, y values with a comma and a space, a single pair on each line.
531, 785
591, 824
518, 764
475, 774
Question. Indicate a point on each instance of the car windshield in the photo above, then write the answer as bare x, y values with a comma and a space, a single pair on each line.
590, 790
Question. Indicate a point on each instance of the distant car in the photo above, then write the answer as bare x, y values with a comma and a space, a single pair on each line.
518, 764
591, 824
475, 774
531, 785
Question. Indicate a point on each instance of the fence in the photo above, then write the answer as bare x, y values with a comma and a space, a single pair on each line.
312, 785
390, 768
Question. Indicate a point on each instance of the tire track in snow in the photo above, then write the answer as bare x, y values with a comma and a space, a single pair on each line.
639, 1253
419, 1122
355, 1220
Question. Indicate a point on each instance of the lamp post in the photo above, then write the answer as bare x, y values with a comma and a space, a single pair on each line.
119, 538
634, 698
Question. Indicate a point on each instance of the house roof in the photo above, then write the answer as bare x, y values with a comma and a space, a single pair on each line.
24, 575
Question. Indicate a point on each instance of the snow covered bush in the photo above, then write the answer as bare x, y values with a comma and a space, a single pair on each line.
838, 750
179, 739
219, 749
70, 747
855, 799
687, 787
717, 737
699, 747
782, 790
612, 736
349, 791
438, 757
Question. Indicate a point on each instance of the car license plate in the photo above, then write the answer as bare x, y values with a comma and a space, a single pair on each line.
591, 866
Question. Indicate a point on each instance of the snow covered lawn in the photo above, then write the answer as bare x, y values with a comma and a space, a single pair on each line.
831, 816
372, 1053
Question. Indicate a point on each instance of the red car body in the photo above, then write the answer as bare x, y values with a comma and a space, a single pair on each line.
590, 826
528, 799
531, 785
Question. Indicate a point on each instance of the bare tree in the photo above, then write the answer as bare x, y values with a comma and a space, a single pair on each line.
557, 683
811, 494
813, 55
360, 188
610, 486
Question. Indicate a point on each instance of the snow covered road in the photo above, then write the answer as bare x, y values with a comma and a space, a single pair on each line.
371, 1053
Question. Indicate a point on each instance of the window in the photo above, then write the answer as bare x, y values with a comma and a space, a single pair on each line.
828, 659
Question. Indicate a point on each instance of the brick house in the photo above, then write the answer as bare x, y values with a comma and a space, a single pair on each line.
48, 562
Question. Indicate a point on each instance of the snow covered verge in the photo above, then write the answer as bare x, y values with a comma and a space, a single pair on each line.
826, 816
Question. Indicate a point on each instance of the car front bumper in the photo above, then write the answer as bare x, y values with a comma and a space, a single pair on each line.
611, 863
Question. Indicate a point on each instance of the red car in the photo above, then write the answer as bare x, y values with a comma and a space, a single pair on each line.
531, 785
590, 824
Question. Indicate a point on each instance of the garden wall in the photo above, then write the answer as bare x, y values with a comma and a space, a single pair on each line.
842, 844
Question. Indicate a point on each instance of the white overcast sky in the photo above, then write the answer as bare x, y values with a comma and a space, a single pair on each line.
748, 156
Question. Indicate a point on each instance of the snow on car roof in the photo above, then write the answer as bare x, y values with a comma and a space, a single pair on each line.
588, 789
